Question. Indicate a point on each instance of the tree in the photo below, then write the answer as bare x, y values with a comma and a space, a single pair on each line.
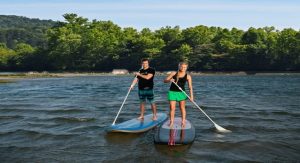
65, 42
102, 43
197, 35
5, 56
172, 39
287, 51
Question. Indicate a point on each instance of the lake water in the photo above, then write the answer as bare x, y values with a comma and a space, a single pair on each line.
64, 120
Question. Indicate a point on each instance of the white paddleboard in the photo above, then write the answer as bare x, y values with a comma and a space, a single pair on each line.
176, 134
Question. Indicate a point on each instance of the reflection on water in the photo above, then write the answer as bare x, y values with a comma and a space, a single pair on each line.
174, 150
121, 138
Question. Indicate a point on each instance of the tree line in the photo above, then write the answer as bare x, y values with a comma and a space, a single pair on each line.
78, 44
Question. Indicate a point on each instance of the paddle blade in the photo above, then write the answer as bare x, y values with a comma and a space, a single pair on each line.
221, 129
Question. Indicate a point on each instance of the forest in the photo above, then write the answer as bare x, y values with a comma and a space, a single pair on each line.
79, 44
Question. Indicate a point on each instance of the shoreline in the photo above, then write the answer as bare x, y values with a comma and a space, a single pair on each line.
5, 76
44, 74
12, 77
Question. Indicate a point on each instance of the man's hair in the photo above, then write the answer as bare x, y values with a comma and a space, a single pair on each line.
145, 59
183, 63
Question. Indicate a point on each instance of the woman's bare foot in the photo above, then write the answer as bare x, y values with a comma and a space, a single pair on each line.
171, 124
183, 124
140, 118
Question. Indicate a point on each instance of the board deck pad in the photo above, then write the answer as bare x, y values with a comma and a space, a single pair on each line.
136, 126
175, 135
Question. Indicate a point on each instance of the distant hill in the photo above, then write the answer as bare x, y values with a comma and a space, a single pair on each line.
13, 21
19, 29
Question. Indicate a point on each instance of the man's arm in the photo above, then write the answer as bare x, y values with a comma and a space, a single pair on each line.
133, 82
147, 77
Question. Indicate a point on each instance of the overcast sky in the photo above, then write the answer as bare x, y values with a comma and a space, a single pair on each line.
154, 14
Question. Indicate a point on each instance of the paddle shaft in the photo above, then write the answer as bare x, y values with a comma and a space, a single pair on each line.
123, 103
194, 103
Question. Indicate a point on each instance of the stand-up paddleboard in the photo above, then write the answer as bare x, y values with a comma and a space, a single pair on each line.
175, 135
136, 126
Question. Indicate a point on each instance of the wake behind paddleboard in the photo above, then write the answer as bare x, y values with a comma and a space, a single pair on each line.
175, 135
136, 126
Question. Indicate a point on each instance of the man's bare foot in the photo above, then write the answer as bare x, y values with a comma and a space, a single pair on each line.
154, 118
140, 118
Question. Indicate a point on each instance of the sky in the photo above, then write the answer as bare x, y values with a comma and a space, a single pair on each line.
155, 14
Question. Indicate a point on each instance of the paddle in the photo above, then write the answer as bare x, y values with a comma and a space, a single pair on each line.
219, 128
123, 102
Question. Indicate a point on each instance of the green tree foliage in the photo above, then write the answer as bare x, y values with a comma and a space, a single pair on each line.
287, 49
198, 35
20, 58
80, 44
17, 29
172, 40
65, 41
5, 56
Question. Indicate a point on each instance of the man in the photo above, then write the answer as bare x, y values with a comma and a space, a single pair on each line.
145, 78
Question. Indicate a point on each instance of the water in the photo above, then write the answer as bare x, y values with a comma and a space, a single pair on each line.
64, 120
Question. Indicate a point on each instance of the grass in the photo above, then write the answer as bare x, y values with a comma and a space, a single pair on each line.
3, 81
27, 75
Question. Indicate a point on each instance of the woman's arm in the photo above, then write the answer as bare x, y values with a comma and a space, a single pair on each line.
189, 78
169, 78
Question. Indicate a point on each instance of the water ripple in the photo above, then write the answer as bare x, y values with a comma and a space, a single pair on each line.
65, 119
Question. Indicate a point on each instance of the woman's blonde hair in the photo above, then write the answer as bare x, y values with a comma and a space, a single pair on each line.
183, 63
180, 63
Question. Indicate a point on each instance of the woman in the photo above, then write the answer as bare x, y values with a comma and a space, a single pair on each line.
175, 94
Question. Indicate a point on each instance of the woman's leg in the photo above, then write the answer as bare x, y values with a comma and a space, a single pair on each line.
172, 112
183, 112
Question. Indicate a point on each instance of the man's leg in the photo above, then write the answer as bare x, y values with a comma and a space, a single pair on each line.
142, 103
153, 106
142, 108
150, 98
